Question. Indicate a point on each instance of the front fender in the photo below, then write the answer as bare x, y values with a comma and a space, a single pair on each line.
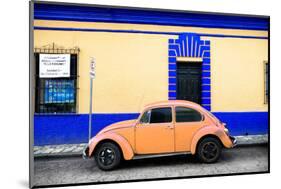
210, 130
121, 141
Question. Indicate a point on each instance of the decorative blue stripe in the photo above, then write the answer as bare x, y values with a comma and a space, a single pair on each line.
172, 94
172, 98
207, 42
207, 107
172, 53
205, 94
206, 74
205, 48
206, 67
245, 123
171, 41
172, 80
206, 101
175, 48
172, 74
190, 45
141, 32
206, 60
206, 80
172, 59
147, 16
172, 66
233, 36
206, 88
103, 30
67, 129
172, 87
70, 129
206, 64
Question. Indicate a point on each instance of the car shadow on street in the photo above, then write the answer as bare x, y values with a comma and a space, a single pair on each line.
159, 161
171, 160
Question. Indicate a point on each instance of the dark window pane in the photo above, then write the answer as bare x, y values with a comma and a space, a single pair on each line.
184, 114
161, 115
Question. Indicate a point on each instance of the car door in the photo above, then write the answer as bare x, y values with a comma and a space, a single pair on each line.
155, 131
187, 122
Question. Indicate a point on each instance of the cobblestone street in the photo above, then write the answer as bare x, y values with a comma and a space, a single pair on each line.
67, 170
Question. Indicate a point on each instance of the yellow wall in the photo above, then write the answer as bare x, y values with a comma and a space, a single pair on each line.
237, 74
132, 69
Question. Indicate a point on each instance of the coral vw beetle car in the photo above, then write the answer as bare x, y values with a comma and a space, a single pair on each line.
163, 128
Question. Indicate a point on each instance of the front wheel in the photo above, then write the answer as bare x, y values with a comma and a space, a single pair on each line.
107, 156
209, 150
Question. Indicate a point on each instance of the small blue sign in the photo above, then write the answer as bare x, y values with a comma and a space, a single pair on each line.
59, 91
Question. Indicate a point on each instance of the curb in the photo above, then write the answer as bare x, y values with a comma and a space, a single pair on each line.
59, 150
77, 149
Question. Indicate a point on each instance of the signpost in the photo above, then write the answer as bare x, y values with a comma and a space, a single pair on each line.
92, 76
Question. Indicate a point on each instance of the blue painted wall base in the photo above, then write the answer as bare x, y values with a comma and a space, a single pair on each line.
245, 123
73, 128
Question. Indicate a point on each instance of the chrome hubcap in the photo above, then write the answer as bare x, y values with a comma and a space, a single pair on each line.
210, 150
106, 156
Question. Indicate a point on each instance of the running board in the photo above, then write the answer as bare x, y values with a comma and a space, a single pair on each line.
160, 155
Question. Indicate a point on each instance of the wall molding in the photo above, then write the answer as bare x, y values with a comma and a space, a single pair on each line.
110, 14
144, 32
190, 46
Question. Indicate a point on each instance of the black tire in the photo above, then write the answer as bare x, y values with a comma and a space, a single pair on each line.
107, 156
209, 150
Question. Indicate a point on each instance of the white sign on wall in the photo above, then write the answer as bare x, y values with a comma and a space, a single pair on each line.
54, 65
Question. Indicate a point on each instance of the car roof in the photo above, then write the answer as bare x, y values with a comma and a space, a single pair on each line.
173, 103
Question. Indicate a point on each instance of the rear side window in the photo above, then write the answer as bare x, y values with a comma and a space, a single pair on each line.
184, 114
161, 115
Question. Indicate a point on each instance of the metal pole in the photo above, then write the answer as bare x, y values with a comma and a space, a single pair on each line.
90, 112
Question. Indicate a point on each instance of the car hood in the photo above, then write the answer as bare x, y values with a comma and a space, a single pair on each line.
119, 125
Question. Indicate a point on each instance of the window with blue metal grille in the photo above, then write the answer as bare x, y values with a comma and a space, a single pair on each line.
266, 82
56, 95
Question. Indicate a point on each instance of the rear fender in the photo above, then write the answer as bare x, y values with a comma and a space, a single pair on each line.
126, 148
210, 130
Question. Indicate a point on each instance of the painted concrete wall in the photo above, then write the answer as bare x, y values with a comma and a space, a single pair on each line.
237, 74
132, 70
140, 60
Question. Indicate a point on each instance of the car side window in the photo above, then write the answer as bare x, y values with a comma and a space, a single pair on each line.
184, 114
145, 117
161, 115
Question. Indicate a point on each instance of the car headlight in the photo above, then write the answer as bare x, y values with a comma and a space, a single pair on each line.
226, 131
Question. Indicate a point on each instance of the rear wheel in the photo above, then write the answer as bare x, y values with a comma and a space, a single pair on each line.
209, 150
107, 156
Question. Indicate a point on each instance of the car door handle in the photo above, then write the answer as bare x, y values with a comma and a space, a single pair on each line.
169, 127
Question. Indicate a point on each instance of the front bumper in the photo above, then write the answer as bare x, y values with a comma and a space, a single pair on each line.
85, 154
233, 140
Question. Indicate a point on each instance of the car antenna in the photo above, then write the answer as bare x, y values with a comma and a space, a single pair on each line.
140, 102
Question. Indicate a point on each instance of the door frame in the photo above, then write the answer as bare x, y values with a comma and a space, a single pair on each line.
190, 46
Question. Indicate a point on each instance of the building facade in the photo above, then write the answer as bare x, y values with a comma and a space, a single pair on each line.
143, 56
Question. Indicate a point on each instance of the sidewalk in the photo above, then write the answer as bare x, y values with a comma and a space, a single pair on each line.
76, 149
